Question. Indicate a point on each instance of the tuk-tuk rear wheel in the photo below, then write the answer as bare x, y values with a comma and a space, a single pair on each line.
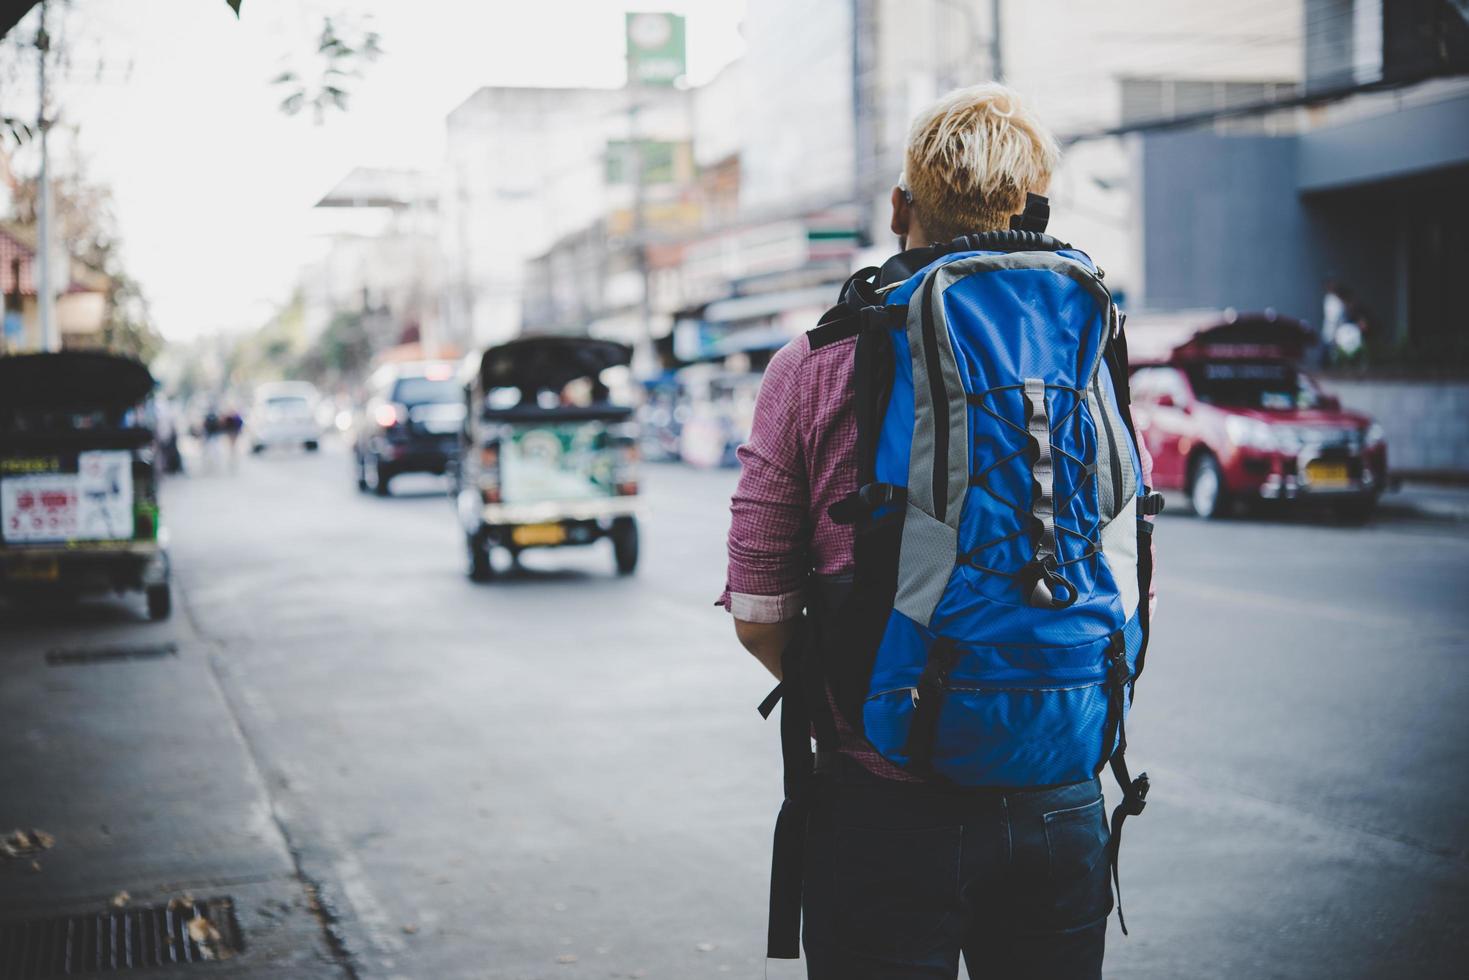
625, 544
481, 568
160, 601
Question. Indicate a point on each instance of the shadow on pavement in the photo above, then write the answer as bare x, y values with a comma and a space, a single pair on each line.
47, 612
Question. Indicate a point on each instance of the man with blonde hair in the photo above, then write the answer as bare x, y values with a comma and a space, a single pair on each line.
861, 577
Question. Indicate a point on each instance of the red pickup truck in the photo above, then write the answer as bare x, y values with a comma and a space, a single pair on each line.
1230, 417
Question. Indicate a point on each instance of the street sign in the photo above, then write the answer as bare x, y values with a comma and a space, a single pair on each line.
655, 49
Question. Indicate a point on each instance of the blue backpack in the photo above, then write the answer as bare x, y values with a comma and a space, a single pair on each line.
997, 620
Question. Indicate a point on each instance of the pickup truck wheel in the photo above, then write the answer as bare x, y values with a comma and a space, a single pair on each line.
160, 601
481, 568
1206, 488
625, 545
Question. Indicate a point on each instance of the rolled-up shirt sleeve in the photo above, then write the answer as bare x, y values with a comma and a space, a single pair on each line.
769, 531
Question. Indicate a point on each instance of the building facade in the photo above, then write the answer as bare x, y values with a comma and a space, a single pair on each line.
1368, 188
527, 167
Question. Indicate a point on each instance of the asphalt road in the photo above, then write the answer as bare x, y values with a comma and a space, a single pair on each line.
562, 774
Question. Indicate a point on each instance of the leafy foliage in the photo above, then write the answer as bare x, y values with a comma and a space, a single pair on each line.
345, 55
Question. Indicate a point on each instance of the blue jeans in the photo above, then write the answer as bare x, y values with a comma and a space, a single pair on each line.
901, 878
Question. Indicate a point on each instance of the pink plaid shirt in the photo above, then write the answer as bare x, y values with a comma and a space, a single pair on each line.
801, 459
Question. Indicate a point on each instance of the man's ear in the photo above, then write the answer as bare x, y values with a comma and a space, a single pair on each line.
902, 213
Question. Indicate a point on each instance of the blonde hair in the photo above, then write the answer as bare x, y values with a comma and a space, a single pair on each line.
972, 156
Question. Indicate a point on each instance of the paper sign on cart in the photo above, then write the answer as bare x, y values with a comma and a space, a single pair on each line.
95, 503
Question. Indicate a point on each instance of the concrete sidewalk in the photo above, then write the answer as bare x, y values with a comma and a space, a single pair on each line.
121, 748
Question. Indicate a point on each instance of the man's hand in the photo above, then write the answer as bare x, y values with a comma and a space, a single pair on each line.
767, 641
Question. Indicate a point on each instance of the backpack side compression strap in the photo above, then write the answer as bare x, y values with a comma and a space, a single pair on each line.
1134, 791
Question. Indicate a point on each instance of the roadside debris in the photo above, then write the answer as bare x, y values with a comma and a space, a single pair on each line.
410, 929
211, 943
24, 843
567, 958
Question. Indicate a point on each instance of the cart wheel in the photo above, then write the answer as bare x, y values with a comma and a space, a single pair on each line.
625, 544
160, 601
481, 569
379, 478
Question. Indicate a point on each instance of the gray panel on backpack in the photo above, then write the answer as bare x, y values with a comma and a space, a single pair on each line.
1118, 542
924, 565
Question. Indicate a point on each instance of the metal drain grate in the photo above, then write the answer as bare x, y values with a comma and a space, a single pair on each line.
119, 939
94, 655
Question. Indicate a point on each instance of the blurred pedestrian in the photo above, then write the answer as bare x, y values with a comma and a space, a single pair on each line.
232, 424
1341, 330
899, 870
212, 427
167, 434
1349, 341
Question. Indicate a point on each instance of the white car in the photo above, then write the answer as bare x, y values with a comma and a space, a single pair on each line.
284, 414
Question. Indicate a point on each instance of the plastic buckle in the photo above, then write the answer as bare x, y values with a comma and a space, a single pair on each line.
876, 495
1136, 799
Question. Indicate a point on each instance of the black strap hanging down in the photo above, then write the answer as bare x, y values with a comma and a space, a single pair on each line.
787, 861
933, 683
1134, 799
1134, 791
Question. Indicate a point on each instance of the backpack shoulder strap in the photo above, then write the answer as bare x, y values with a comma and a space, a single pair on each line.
844, 320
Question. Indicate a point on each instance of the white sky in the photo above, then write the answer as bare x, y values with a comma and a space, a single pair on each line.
214, 186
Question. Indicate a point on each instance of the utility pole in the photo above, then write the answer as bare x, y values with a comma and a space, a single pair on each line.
646, 359
864, 129
997, 61
45, 296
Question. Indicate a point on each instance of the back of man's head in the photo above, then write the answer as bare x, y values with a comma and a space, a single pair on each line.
972, 156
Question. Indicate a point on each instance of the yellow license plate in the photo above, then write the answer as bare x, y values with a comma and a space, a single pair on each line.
529, 534
34, 570
1327, 474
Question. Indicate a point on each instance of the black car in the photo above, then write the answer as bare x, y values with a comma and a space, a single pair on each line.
409, 424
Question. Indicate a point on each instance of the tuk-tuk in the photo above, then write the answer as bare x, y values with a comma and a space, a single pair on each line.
546, 459
78, 497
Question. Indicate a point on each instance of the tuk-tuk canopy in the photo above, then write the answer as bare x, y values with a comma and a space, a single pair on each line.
548, 363
72, 380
